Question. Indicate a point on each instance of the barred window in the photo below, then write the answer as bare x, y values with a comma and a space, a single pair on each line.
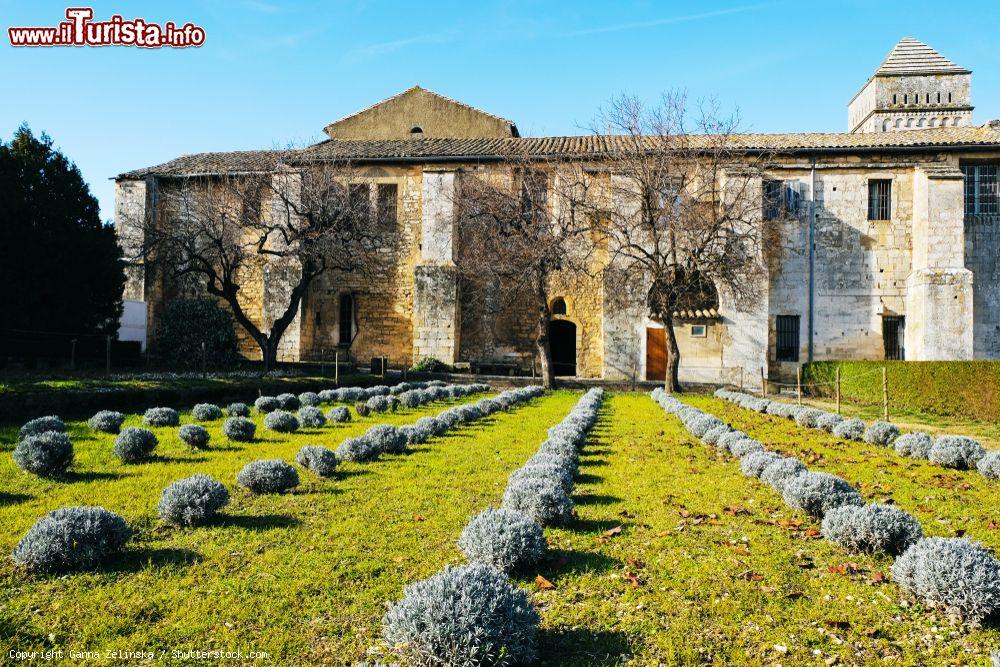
880, 199
982, 190
787, 329
781, 199
893, 327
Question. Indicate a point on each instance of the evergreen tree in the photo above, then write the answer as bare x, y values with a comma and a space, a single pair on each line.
60, 267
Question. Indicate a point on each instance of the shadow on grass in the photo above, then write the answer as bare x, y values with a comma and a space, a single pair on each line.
593, 525
581, 647
139, 559
13, 498
595, 499
559, 562
257, 522
587, 478
92, 476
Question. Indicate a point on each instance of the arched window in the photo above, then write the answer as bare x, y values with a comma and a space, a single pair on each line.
559, 306
920, 123
345, 321
886, 125
416, 131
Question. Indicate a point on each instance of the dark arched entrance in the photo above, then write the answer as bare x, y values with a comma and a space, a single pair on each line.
562, 339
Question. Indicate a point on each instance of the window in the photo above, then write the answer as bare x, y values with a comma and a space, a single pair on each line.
879, 199
534, 193
387, 203
787, 328
699, 331
781, 199
359, 200
892, 337
559, 306
982, 190
416, 132
345, 320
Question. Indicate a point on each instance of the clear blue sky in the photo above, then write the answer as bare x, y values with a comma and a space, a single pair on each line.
274, 73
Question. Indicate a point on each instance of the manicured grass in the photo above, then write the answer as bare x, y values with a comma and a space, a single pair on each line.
303, 576
35, 384
708, 567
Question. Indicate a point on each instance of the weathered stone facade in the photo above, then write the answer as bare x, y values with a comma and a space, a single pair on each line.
911, 275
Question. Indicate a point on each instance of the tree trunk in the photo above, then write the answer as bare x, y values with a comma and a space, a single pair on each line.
542, 341
268, 351
671, 380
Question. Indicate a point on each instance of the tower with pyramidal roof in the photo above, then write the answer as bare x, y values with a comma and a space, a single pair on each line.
914, 88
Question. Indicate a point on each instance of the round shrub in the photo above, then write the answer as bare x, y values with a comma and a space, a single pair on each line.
563, 474
238, 410
808, 417
544, 500
956, 451
288, 401
418, 433
360, 450
339, 414
744, 446
239, 429
309, 398
989, 466
377, 404
362, 409
192, 329
311, 417
727, 440
850, 429
777, 473
194, 435
504, 539
328, 396
106, 421
134, 444
872, 528
47, 454
192, 501
161, 417
753, 464
917, 445
206, 412
267, 404
268, 476
816, 493
281, 422
42, 425
72, 538
319, 460
432, 424
881, 433
829, 421
951, 573
712, 435
466, 615
387, 439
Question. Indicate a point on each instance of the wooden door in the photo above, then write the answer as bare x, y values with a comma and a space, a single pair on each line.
656, 354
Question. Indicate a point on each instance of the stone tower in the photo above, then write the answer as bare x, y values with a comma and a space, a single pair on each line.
914, 88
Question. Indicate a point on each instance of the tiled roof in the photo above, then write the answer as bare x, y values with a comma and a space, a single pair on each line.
458, 150
912, 56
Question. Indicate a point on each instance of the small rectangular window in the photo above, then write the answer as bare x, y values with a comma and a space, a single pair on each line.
387, 203
880, 199
787, 329
345, 320
699, 331
781, 199
892, 337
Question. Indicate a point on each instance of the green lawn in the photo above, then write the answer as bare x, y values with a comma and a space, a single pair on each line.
708, 567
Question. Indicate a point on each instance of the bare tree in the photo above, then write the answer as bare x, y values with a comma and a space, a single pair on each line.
225, 232
519, 232
684, 220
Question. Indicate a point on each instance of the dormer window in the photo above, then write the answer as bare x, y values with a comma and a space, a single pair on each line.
417, 132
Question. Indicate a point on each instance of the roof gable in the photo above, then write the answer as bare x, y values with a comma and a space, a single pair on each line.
418, 112
911, 56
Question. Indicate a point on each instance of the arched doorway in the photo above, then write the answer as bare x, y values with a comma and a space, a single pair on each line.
562, 340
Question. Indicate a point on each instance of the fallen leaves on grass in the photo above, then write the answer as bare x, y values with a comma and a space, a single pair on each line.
544, 584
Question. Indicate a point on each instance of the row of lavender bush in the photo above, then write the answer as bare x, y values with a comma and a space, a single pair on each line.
949, 451
472, 614
81, 538
953, 573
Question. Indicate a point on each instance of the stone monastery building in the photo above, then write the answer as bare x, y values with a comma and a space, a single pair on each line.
904, 210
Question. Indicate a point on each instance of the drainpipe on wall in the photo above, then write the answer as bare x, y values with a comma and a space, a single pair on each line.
812, 252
